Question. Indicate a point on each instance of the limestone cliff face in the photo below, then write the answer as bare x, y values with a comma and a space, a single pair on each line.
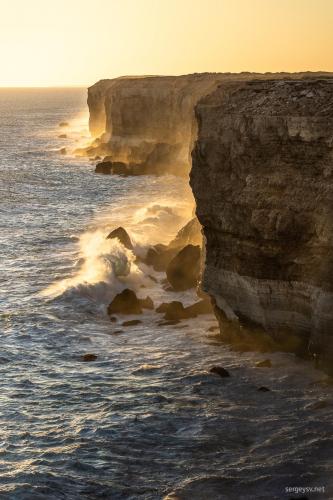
148, 122
262, 177
151, 119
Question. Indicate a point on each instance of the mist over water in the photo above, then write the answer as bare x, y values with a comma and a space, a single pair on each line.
146, 417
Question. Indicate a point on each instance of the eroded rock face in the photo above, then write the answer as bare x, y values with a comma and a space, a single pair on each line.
262, 177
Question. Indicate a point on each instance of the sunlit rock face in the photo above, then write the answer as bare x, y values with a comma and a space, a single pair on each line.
262, 177
149, 121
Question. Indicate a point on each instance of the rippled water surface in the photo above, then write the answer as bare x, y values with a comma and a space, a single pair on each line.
146, 418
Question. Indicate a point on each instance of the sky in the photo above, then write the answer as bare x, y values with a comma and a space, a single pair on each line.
78, 42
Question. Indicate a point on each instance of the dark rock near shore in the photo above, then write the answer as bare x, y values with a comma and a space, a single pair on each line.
132, 322
63, 124
63, 151
263, 389
127, 302
159, 257
176, 311
184, 269
202, 307
147, 303
88, 357
62, 136
172, 311
219, 370
121, 234
171, 322
104, 167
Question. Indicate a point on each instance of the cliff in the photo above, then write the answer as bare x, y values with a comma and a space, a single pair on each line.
262, 177
148, 122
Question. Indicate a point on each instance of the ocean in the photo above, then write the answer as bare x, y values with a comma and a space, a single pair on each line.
146, 417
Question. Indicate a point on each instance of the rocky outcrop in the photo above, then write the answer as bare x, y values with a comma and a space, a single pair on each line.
127, 302
262, 177
183, 270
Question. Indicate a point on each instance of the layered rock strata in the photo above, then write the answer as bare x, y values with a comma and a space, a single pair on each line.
262, 177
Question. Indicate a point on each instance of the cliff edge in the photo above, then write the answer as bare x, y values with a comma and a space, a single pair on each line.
262, 177
148, 122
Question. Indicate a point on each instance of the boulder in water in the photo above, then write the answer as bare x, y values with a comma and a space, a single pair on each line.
119, 168
219, 370
202, 307
188, 234
62, 136
176, 311
184, 269
159, 256
104, 167
127, 302
89, 357
147, 303
63, 151
172, 310
121, 234
63, 124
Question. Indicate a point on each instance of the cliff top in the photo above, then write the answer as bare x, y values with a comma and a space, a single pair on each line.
302, 97
105, 83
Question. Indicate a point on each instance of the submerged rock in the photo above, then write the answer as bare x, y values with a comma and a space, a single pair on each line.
132, 322
63, 124
219, 370
62, 136
127, 302
121, 234
88, 357
184, 269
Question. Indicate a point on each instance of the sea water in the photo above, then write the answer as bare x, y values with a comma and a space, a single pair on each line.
146, 417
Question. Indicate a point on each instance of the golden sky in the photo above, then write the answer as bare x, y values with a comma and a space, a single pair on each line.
77, 42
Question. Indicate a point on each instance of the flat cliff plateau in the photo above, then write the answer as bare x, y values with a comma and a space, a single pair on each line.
148, 122
262, 178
